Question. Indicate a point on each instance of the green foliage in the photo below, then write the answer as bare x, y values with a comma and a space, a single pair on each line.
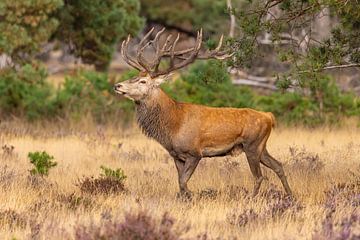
294, 18
42, 162
25, 25
110, 182
209, 83
117, 174
94, 27
91, 93
25, 92
188, 15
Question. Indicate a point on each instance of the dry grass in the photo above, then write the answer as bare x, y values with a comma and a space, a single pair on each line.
221, 207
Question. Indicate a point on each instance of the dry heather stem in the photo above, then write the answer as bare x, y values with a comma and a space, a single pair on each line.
152, 183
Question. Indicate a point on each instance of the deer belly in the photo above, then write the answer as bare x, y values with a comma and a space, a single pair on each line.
232, 149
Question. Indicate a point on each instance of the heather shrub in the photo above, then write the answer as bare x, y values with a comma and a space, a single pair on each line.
110, 182
208, 194
12, 219
7, 175
73, 201
304, 161
243, 218
346, 229
233, 192
344, 194
139, 226
42, 163
277, 204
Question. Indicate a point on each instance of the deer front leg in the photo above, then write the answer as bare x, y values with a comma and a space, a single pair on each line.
189, 168
179, 167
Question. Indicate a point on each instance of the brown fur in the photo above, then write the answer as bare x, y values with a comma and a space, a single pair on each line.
190, 132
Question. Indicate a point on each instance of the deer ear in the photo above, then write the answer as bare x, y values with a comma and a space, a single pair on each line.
162, 78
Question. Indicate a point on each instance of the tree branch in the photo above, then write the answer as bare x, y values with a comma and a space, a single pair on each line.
350, 65
232, 19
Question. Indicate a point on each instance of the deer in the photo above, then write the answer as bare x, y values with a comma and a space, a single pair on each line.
190, 132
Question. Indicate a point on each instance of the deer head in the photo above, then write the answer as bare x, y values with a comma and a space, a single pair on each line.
151, 76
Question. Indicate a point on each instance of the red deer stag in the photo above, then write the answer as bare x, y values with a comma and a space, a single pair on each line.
188, 131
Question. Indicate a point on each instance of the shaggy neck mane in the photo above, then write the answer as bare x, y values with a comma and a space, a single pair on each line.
155, 117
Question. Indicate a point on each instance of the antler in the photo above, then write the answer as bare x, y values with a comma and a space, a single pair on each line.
167, 50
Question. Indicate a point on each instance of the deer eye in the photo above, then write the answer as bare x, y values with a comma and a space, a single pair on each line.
142, 81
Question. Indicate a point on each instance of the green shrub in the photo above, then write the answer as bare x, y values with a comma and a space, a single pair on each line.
91, 93
110, 182
117, 174
42, 162
290, 108
25, 92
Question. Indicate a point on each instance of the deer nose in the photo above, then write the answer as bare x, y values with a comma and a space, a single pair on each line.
117, 86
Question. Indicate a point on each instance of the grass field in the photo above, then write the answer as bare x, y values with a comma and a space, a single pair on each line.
322, 165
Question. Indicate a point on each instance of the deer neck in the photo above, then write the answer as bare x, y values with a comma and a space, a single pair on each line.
156, 117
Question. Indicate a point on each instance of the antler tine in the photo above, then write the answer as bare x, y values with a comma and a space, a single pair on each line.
187, 61
140, 58
160, 53
163, 49
186, 56
220, 43
216, 52
128, 59
156, 41
173, 49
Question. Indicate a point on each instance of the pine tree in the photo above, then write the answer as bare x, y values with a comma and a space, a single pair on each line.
94, 27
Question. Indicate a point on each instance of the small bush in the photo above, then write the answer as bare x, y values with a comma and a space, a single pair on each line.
140, 226
244, 218
110, 182
208, 194
117, 174
42, 162
12, 219
7, 176
73, 201
304, 161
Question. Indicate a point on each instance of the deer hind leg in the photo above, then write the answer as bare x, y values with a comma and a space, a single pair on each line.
276, 166
253, 157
